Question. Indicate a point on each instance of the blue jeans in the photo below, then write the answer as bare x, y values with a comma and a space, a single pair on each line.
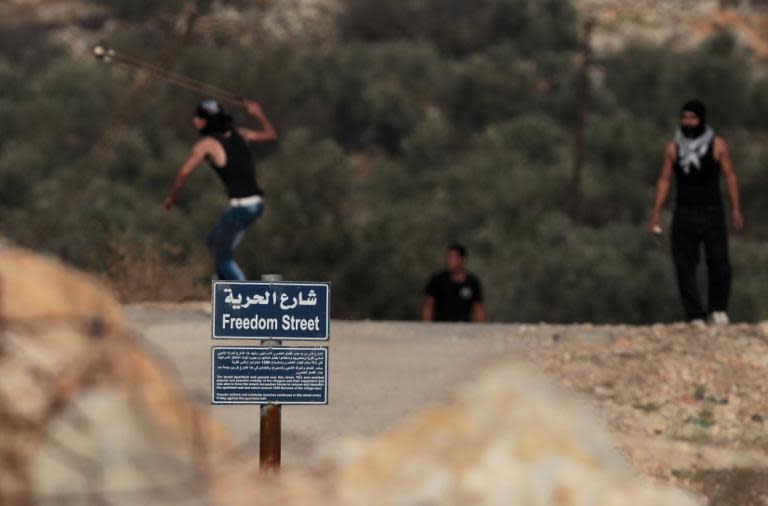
226, 235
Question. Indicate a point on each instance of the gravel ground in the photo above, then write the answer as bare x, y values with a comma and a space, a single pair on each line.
688, 405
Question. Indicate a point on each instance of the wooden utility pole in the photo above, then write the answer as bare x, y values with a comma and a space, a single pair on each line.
578, 133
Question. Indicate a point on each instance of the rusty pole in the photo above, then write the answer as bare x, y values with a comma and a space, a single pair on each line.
270, 424
270, 438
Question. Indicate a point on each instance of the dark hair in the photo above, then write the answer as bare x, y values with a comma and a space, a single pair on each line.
697, 107
458, 248
217, 121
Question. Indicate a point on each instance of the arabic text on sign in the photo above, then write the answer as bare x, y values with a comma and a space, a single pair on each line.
270, 298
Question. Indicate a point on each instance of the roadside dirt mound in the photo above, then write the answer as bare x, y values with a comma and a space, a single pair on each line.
509, 438
687, 404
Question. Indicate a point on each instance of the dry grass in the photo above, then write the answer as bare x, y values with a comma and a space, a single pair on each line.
144, 272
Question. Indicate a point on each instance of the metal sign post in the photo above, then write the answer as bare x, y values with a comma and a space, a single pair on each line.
270, 430
270, 421
270, 443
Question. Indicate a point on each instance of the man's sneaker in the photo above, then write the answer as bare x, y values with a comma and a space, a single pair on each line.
698, 322
719, 318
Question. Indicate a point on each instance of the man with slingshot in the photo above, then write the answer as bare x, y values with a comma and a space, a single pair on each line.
225, 148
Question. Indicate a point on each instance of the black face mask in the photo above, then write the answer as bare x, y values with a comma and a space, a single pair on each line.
692, 132
698, 108
216, 120
218, 124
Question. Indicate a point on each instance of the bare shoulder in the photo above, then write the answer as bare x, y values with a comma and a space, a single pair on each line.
670, 149
721, 147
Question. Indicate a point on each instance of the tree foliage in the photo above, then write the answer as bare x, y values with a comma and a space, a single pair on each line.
426, 123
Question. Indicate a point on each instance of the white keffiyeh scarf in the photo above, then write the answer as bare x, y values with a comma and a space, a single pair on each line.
690, 151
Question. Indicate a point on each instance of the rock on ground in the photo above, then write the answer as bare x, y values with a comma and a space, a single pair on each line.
87, 414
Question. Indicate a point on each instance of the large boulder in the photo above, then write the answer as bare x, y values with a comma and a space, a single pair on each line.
87, 413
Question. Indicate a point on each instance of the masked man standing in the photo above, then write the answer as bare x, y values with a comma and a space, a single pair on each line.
697, 156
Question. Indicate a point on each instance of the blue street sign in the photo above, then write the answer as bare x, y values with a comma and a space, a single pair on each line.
259, 310
263, 375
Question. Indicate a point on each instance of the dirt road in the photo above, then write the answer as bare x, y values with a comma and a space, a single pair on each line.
379, 372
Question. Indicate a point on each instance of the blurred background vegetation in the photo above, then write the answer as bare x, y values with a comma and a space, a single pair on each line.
420, 123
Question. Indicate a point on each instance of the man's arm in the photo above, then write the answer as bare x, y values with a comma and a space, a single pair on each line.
478, 312
427, 308
723, 154
198, 154
662, 185
267, 132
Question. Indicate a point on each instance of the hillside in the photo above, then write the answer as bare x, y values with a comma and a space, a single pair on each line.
403, 127
679, 24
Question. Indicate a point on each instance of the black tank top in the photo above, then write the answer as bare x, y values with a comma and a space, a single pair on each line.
700, 187
238, 174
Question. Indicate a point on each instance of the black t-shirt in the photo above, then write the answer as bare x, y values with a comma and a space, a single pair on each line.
453, 301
